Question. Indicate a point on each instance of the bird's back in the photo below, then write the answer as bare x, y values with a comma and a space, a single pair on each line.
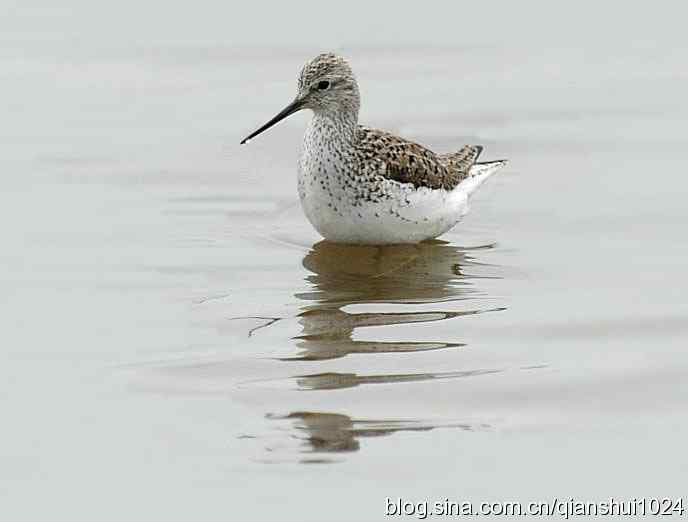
405, 161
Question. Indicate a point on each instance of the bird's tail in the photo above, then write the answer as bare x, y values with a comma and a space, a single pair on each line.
478, 174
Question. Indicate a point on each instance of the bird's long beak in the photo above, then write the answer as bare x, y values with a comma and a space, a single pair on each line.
294, 106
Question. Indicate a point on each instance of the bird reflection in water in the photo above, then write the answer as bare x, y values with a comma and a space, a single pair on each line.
433, 281
336, 433
421, 274
335, 381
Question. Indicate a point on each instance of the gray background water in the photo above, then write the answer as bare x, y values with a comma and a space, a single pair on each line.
539, 352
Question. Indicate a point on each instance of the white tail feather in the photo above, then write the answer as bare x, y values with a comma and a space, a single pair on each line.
479, 174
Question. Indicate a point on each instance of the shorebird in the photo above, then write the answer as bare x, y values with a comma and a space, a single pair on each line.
367, 186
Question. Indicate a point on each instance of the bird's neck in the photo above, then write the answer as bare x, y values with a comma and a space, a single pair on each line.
333, 130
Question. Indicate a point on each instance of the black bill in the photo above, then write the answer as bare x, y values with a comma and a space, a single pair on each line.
288, 110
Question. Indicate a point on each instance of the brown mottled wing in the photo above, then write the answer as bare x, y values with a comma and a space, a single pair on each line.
408, 162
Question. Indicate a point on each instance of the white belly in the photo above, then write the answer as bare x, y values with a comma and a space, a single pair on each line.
404, 214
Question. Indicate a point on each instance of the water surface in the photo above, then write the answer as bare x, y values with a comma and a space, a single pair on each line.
178, 343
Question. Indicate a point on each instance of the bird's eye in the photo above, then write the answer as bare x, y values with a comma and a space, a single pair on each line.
323, 85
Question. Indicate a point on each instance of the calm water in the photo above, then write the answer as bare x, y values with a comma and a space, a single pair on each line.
177, 343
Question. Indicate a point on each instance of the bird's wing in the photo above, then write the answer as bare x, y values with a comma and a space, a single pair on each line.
408, 162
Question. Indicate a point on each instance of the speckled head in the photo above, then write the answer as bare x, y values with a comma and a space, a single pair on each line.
327, 85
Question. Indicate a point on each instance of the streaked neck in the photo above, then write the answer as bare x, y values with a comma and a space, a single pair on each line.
333, 129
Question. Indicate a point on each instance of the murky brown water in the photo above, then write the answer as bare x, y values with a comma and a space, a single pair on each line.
177, 343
